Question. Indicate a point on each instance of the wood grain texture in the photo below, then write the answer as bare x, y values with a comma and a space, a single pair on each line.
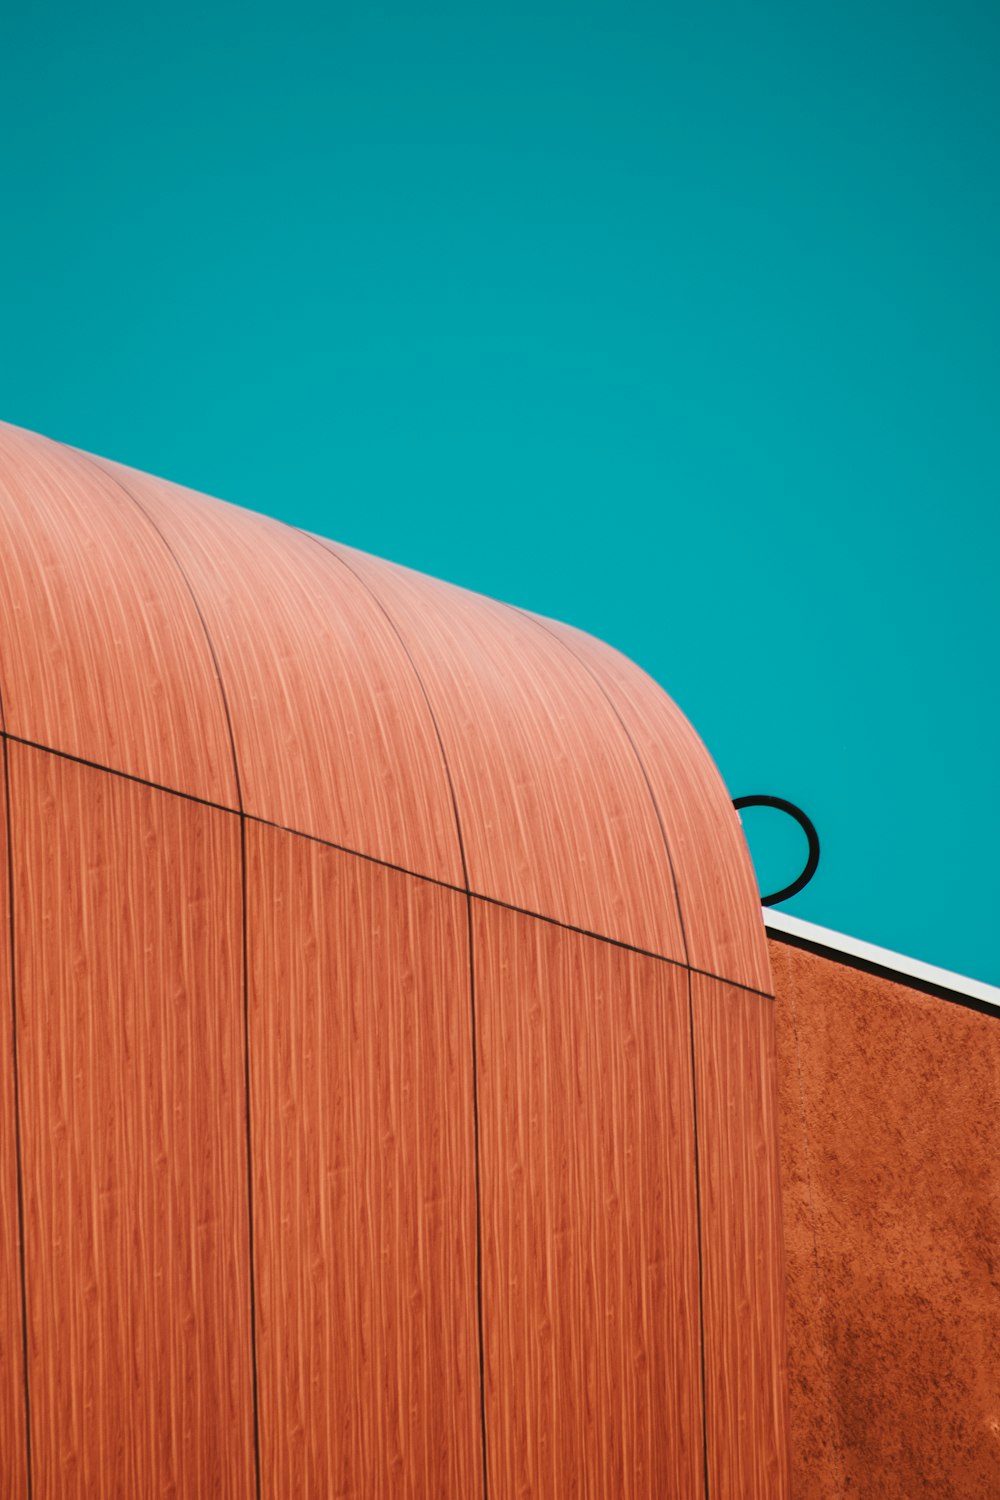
716, 884
13, 1445
118, 596
130, 1036
364, 1178
555, 813
590, 1265
564, 756
103, 655
890, 1140
741, 1240
333, 734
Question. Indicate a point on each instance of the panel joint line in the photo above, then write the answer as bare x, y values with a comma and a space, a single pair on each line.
9, 855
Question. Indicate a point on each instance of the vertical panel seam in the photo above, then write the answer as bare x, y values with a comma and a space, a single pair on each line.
540, 624
447, 885
17, 1120
120, 485
386, 864
334, 553
479, 1231
697, 1201
246, 1086
241, 810
687, 963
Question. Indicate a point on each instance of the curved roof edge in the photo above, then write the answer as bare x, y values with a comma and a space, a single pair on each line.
214, 651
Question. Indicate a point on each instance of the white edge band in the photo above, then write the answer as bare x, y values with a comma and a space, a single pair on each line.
780, 922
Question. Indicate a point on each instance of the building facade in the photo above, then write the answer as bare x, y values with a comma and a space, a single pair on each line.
389, 1108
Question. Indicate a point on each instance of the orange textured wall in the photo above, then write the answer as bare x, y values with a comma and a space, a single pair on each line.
741, 1236
375, 1140
890, 1148
315, 679
103, 655
130, 1051
364, 1177
532, 743
716, 886
590, 1232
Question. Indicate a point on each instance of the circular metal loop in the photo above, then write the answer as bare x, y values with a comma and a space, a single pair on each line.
808, 828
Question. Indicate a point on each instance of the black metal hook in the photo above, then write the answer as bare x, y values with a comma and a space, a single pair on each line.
808, 828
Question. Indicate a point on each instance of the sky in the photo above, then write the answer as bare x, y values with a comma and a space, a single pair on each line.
681, 323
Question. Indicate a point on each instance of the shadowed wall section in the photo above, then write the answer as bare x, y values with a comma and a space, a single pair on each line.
741, 1239
890, 1147
374, 1139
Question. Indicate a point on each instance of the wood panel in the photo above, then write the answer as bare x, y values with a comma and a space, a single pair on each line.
890, 1142
13, 1445
104, 655
364, 1178
561, 758
741, 1238
716, 884
130, 1037
555, 812
333, 734
590, 1266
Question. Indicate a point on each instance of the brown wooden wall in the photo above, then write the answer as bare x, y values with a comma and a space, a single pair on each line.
127, 946
364, 1176
890, 1154
590, 1248
13, 1430
389, 1060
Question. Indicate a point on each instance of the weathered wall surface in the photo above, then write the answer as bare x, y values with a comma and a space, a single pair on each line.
890, 1145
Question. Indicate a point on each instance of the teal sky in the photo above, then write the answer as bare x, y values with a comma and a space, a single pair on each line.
678, 322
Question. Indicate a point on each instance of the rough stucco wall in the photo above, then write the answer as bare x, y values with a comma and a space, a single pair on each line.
890, 1147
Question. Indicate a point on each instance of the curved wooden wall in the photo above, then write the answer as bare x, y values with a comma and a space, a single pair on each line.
389, 1103
315, 679
103, 655
550, 797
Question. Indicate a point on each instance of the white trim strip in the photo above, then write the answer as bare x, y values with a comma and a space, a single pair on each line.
883, 958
